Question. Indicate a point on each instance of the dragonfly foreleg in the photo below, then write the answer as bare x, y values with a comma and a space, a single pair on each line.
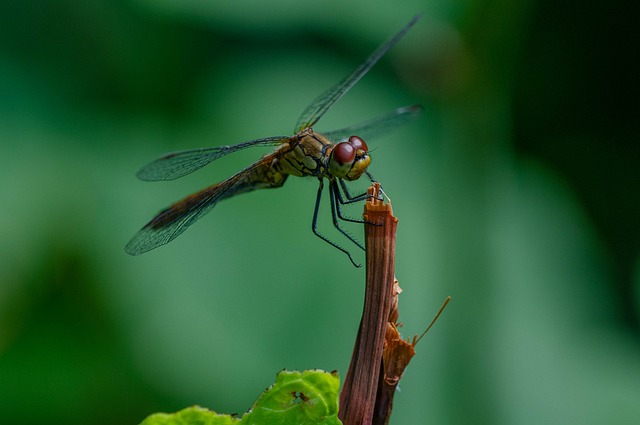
350, 199
334, 193
338, 200
373, 180
314, 225
381, 193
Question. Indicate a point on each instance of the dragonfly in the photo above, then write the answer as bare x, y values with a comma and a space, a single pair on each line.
337, 156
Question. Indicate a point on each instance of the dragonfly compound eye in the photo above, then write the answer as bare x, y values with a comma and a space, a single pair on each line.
358, 143
344, 153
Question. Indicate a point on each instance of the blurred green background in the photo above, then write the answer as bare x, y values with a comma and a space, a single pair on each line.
517, 194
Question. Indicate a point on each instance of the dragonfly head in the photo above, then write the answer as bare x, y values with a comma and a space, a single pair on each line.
350, 159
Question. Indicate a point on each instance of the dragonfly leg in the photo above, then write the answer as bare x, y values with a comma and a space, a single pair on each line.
381, 194
314, 225
336, 213
337, 200
360, 197
373, 180
350, 199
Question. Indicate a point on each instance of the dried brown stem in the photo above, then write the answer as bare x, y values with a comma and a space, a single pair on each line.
380, 355
358, 397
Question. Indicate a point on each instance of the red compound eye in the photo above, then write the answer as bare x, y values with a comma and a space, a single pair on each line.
358, 143
344, 153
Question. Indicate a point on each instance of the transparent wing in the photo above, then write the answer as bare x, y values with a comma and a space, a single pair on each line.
171, 222
178, 164
326, 100
376, 126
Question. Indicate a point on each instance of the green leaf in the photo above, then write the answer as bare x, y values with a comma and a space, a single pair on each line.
296, 398
194, 415
300, 398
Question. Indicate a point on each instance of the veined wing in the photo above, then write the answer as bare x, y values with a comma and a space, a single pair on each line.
325, 101
376, 126
171, 222
178, 164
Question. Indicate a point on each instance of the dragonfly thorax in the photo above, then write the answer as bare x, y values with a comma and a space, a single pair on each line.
304, 155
